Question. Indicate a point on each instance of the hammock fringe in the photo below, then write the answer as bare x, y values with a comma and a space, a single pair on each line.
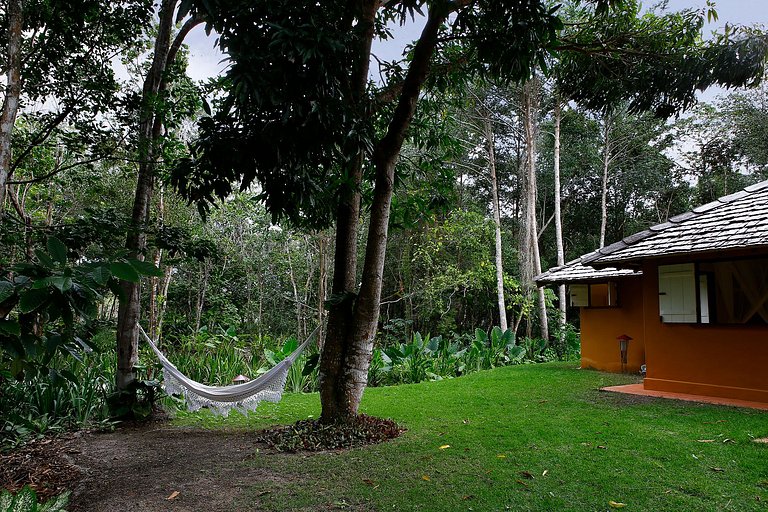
267, 387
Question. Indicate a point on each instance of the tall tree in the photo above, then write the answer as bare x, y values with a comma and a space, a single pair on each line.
150, 131
300, 118
481, 121
14, 19
529, 239
499, 259
557, 116
60, 53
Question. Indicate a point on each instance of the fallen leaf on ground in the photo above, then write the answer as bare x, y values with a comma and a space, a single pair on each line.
173, 495
501, 456
426, 478
717, 470
527, 474
521, 483
264, 493
445, 446
602, 447
467, 497
545, 472
615, 504
705, 440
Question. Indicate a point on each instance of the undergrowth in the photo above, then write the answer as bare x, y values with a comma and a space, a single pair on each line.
313, 435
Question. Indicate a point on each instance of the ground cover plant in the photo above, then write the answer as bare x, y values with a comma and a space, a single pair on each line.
534, 437
42, 405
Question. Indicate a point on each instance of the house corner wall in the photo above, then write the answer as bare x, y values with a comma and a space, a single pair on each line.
728, 361
601, 326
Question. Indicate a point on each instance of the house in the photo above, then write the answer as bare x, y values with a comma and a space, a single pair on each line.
692, 293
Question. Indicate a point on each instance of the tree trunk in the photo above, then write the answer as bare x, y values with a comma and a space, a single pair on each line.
559, 224
150, 129
532, 265
337, 340
296, 298
606, 163
341, 397
204, 275
322, 286
163, 300
155, 282
496, 222
12, 93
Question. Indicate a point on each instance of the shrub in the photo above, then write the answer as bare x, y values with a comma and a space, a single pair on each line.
26, 501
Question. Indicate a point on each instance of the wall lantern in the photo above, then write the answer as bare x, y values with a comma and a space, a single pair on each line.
240, 379
623, 349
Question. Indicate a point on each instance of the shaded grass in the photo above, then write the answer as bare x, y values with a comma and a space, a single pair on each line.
539, 437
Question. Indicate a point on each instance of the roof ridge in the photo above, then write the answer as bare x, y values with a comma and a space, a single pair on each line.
674, 221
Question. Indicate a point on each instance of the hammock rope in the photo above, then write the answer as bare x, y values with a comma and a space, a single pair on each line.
245, 397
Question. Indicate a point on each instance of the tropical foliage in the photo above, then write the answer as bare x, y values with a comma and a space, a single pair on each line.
223, 293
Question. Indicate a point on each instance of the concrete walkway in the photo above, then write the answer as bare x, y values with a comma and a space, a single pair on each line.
638, 389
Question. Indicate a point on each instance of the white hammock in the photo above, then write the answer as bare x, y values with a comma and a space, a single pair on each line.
222, 399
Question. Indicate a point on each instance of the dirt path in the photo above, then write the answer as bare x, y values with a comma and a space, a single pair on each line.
140, 468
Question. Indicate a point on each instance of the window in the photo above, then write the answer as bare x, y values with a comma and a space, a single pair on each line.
723, 292
599, 295
677, 292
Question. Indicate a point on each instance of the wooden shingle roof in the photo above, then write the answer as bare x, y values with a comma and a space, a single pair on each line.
575, 272
734, 221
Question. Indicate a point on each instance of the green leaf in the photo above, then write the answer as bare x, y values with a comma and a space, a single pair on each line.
289, 346
57, 250
6, 499
6, 291
40, 284
53, 342
62, 283
56, 504
71, 377
32, 300
100, 275
508, 338
496, 335
25, 500
44, 259
310, 365
418, 341
146, 268
517, 353
141, 409
124, 271
10, 327
270, 357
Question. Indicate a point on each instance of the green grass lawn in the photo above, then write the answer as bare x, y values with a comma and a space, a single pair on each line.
539, 437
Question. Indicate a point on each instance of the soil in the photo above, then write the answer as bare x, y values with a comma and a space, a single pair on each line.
157, 467
147, 468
